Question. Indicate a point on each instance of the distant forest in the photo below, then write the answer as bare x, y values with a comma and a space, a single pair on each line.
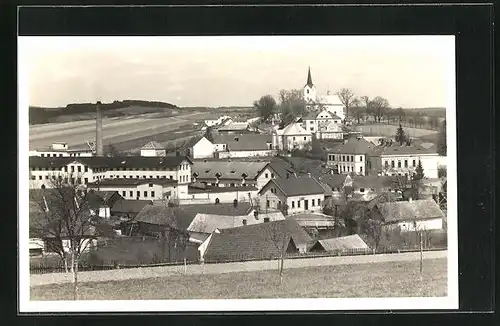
44, 114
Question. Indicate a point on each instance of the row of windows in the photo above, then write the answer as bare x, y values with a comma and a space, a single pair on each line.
267, 176
85, 168
60, 178
349, 169
343, 158
305, 138
313, 203
132, 176
65, 169
393, 164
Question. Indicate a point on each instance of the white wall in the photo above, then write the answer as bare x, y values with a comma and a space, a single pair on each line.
264, 177
153, 152
224, 197
293, 208
203, 149
300, 141
429, 163
358, 165
430, 224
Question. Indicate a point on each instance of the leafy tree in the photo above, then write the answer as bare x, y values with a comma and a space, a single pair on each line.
357, 110
441, 141
347, 97
400, 136
265, 106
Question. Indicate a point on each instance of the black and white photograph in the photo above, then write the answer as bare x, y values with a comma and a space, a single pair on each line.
180, 173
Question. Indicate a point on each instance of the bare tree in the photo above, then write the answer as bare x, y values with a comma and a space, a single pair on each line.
346, 96
280, 238
66, 216
379, 105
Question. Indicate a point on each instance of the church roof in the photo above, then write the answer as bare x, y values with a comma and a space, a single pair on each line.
309, 78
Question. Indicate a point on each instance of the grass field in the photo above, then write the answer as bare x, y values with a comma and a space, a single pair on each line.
390, 130
388, 279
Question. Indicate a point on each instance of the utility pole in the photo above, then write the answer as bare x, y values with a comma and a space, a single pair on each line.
421, 253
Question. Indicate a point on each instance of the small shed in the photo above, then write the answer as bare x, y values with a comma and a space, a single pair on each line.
350, 242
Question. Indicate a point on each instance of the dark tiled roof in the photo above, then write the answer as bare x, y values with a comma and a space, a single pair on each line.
193, 141
186, 213
256, 241
158, 215
375, 182
232, 170
132, 182
297, 186
245, 142
129, 206
355, 146
409, 211
333, 180
407, 150
109, 162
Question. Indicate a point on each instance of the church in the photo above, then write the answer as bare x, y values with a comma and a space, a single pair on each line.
316, 102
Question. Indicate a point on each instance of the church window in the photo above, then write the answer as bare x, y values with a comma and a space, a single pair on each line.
307, 91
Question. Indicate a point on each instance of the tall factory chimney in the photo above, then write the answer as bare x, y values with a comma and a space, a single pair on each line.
98, 133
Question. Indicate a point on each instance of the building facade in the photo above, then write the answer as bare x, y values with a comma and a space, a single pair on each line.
291, 137
404, 160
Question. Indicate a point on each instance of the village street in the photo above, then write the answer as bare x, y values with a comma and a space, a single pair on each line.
150, 272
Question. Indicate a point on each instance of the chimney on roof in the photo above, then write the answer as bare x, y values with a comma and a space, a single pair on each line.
98, 134
410, 200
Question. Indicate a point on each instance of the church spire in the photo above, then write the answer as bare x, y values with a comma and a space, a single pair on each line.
309, 79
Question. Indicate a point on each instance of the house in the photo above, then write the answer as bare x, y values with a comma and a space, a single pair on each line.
158, 220
83, 170
295, 194
411, 215
128, 208
243, 145
101, 201
291, 137
313, 121
145, 189
62, 149
204, 224
200, 147
330, 130
357, 156
221, 120
350, 242
232, 173
153, 148
234, 127
403, 160
254, 242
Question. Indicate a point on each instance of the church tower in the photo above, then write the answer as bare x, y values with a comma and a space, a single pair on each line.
309, 89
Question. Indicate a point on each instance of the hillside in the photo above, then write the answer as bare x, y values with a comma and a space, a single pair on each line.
80, 111
430, 112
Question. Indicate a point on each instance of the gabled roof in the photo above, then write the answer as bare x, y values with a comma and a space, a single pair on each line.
348, 242
355, 146
129, 206
110, 162
258, 241
333, 180
207, 223
281, 167
186, 213
294, 129
193, 141
157, 215
232, 170
409, 211
153, 145
297, 186
244, 142
234, 127
215, 189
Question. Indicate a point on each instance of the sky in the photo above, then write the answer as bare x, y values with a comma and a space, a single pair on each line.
410, 71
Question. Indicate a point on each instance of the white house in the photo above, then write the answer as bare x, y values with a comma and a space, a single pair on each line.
299, 194
357, 156
313, 121
142, 189
62, 149
330, 130
244, 145
403, 160
201, 148
85, 170
293, 136
153, 148
411, 215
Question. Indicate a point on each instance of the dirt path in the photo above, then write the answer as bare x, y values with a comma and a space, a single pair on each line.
149, 272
